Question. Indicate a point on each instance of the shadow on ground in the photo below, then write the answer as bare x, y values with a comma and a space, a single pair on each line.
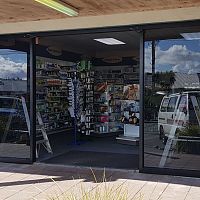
61, 173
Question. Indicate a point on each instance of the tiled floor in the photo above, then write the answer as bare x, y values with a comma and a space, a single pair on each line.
41, 181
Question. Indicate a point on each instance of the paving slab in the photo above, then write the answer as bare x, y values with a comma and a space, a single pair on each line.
193, 193
40, 181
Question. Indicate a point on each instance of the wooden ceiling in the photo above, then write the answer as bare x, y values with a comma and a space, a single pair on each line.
29, 10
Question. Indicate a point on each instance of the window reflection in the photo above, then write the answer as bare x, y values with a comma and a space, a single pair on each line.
14, 100
172, 110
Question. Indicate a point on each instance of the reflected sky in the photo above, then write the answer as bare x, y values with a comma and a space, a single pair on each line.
177, 55
13, 64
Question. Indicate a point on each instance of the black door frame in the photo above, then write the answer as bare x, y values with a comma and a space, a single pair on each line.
33, 99
142, 28
142, 167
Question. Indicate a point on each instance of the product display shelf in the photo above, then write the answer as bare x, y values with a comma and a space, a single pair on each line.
51, 97
87, 77
124, 75
108, 108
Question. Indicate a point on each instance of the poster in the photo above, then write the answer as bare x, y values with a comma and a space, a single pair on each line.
131, 92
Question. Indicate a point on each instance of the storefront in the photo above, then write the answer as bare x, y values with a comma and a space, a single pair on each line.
124, 85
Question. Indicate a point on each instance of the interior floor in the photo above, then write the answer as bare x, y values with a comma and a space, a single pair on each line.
90, 152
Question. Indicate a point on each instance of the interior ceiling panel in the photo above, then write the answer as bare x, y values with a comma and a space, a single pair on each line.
85, 43
21, 10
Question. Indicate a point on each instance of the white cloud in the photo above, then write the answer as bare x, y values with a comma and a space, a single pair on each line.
11, 69
178, 58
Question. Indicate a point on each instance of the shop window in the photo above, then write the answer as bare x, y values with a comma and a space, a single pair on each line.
172, 59
14, 100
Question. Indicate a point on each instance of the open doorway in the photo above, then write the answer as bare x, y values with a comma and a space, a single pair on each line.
88, 99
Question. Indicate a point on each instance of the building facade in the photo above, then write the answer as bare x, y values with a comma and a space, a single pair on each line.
162, 44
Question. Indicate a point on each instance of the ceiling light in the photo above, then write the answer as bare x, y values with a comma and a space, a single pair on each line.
59, 7
109, 41
191, 36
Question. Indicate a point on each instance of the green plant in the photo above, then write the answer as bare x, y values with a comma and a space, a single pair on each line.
189, 133
3, 122
190, 130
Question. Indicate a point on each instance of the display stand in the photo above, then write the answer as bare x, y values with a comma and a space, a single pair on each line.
131, 116
108, 109
86, 125
74, 109
130, 136
52, 94
131, 130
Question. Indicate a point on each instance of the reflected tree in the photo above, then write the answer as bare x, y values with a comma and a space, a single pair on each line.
164, 80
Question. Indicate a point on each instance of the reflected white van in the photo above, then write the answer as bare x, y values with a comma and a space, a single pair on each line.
177, 111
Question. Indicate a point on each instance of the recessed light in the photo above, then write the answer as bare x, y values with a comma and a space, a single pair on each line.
191, 36
110, 41
59, 7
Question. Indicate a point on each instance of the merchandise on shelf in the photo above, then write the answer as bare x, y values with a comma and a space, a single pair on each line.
116, 91
86, 126
107, 107
52, 95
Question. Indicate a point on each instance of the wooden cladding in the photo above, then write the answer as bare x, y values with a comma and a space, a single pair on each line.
20, 10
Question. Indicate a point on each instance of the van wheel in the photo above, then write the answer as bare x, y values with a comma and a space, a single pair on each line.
161, 133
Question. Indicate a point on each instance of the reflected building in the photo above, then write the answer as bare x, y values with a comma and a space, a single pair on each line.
12, 87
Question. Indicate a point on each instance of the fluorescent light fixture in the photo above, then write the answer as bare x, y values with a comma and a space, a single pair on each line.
109, 41
59, 7
191, 36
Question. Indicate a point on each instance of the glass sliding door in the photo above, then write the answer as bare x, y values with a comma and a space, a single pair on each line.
14, 100
172, 99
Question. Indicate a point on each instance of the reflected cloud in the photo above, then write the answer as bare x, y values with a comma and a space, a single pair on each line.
10, 69
178, 58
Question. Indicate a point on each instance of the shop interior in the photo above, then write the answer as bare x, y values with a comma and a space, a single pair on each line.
88, 99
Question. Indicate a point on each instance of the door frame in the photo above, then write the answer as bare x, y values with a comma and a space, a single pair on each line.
141, 29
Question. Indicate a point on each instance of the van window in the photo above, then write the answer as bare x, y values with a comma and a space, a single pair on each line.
192, 114
172, 104
183, 104
164, 105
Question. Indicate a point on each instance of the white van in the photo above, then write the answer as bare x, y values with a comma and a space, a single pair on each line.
177, 111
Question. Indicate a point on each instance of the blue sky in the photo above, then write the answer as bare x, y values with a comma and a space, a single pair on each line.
16, 56
13, 64
178, 55
193, 45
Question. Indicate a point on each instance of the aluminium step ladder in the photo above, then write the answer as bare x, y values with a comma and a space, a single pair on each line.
171, 141
172, 138
41, 134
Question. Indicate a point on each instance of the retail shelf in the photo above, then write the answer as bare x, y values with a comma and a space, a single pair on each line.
50, 132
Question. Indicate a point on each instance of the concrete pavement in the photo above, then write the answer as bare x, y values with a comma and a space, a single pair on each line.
42, 181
